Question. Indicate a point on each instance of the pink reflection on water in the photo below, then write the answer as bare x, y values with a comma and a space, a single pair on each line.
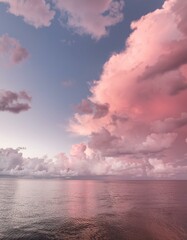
84, 198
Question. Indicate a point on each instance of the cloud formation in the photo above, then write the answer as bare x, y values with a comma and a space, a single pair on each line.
37, 13
90, 17
81, 162
14, 102
135, 116
88, 107
170, 124
93, 18
144, 88
11, 51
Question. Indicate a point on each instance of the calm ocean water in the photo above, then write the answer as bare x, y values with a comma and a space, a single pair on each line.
82, 209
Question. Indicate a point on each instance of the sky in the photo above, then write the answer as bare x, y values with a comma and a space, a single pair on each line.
93, 88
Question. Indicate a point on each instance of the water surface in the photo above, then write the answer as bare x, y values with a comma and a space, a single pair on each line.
33, 209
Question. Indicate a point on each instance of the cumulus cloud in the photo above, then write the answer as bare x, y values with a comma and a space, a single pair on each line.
81, 162
144, 88
90, 17
175, 56
157, 142
12, 162
93, 18
119, 85
117, 146
159, 169
107, 144
37, 13
170, 124
88, 107
11, 51
14, 102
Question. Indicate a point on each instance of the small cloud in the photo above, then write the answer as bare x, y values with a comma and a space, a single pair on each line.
88, 107
68, 42
14, 102
38, 14
11, 50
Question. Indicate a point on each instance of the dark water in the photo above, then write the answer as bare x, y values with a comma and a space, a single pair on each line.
75, 209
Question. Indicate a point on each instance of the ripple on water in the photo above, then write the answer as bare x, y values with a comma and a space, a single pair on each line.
131, 226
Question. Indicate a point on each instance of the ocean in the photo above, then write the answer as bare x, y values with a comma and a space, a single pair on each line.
33, 209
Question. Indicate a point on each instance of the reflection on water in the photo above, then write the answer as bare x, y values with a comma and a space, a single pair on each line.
75, 209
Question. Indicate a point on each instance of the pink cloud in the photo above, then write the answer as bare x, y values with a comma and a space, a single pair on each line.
12, 162
90, 17
37, 13
85, 107
144, 88
106, 143
115, 146
11, 50
170, 124
119, 84
158, 142
175, 57
78, 150
88, 107
14, 102
93, 18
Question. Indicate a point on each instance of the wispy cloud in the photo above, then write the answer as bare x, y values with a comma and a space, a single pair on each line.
67, 83
11, 51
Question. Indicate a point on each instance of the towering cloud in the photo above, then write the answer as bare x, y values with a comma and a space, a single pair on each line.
14, 102
90, 17
11, 51
144, 88
35, 12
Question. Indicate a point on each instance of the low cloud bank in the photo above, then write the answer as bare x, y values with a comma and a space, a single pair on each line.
84, 162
